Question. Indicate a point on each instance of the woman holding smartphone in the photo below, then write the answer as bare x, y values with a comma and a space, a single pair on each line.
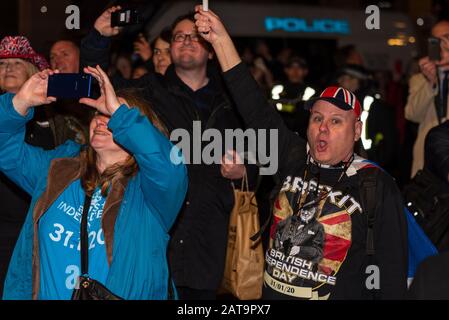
136, 194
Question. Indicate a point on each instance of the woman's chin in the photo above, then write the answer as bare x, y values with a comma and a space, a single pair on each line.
99, 141
11, 88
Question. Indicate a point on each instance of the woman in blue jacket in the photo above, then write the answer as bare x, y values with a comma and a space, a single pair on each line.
136, 192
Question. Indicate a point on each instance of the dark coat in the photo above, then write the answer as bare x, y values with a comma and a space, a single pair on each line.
437, 151
431, 281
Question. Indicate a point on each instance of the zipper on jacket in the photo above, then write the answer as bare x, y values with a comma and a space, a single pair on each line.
223, 105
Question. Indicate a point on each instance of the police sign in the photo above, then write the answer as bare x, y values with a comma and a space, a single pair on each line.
292, 24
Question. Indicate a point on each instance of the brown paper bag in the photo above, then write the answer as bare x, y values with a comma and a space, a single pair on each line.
243, 275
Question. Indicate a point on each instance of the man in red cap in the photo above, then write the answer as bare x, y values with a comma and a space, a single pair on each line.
334, 143
328, 239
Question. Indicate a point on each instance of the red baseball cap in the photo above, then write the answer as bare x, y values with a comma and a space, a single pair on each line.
339, 97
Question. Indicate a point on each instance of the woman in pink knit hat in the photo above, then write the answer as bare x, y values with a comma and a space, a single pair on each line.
18, 62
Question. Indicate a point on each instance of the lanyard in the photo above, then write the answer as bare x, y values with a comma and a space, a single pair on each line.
320, 196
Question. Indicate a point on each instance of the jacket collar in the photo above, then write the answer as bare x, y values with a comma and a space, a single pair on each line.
212, 72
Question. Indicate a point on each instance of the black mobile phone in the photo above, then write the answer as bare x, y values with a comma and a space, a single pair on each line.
434, 49
125, 17
69, 85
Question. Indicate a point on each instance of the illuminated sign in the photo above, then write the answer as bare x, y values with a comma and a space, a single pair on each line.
302, 25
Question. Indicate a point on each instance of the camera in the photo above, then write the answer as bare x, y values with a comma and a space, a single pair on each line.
434, 49
125, 17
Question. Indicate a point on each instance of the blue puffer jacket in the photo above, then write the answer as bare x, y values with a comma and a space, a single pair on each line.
139, 232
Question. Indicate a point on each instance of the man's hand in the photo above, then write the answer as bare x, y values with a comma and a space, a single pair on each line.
103, 23
142, 48
429, 70
213, 31
232, 166
33, 92
209, 25
108, 102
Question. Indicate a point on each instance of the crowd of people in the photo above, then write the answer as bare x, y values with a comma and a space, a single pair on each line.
159, 229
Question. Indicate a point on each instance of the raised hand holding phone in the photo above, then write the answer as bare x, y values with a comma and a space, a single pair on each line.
125, 17
209, 25
434, 49
103, 23
212, 30
69, 85
108, 102
33, 92
205, 7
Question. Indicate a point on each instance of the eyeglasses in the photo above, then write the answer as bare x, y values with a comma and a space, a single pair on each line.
181, 37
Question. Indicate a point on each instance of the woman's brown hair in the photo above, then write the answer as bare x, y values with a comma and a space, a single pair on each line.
90, 177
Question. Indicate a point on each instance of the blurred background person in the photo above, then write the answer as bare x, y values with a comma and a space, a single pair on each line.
437, 151
263, 51
18, 62
283, 58
139, 71
258, 69
348, 55
289, 96
157, 54
121, 65
436, 171
427, 102
65, 56
379, 135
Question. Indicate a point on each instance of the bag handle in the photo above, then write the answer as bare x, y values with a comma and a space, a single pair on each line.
84, 238
245, 184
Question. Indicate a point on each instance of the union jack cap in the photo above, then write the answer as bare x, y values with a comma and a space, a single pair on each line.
339, 97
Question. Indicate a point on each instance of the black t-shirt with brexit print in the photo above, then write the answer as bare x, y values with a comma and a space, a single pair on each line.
317, 246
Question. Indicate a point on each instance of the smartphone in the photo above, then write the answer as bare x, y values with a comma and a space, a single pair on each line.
434, 49
125, 17
69, 85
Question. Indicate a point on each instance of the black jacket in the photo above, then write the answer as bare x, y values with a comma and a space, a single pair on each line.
431, 281
345, 258
437, 151
199, 237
